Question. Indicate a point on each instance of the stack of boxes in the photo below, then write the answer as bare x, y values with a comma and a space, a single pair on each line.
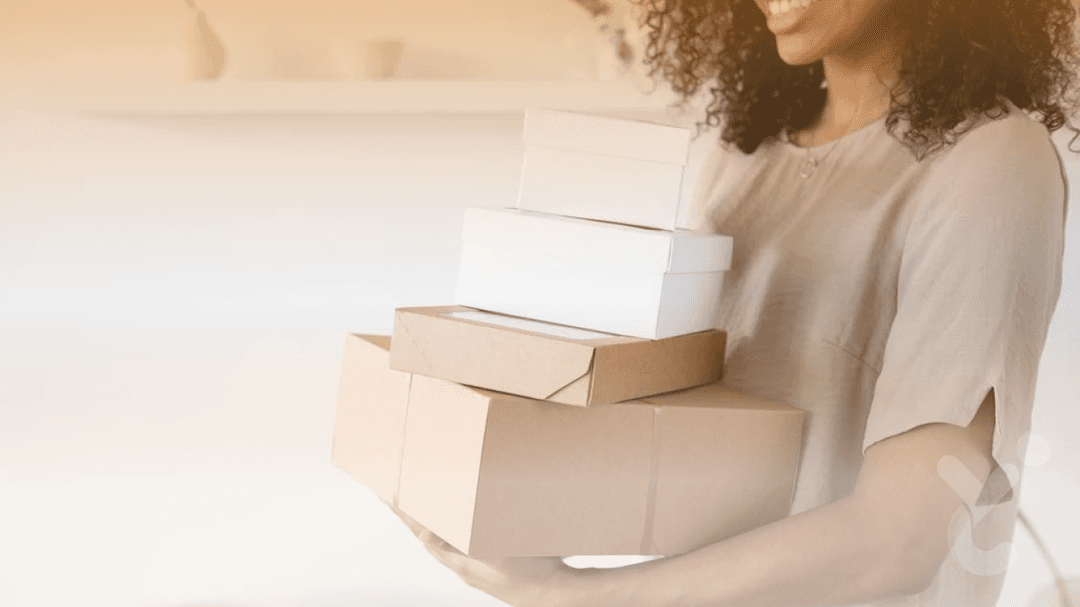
569, 403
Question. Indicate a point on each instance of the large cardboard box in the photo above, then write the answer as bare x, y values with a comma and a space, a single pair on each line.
500, 475
623, 171
593, 275
547, 361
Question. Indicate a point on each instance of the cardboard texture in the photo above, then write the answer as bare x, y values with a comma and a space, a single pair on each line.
608, 169
612, 278
549, 362
370, 415
500, 475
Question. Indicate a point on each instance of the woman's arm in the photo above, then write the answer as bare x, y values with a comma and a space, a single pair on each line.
887, 538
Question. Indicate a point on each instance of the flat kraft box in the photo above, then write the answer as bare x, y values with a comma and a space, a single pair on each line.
608, 169
593, 275
499, 475
551, 362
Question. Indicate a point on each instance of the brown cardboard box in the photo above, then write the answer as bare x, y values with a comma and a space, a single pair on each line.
500, 475
546, 361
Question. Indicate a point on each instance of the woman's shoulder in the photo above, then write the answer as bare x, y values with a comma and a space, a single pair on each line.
1005, 162
1011, 136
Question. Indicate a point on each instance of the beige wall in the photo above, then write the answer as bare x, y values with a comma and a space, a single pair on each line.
105, 41
110, 40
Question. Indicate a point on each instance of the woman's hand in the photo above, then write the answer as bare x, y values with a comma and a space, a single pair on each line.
518, 581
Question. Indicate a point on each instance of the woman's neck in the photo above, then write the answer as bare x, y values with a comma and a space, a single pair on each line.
859, 83
844, 114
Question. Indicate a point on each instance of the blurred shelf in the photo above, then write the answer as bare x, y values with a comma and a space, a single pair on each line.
378, 97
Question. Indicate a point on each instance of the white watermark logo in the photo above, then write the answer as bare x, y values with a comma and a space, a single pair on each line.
1031, 450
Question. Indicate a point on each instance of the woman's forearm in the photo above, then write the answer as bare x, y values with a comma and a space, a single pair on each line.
887, 538
832, 555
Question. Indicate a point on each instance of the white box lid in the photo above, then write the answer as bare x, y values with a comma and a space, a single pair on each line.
609, 136
571, 240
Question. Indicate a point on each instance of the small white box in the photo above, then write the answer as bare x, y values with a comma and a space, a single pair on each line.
622, 171
613, 278
607, 136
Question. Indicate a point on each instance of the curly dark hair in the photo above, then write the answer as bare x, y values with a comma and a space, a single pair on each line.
961, 58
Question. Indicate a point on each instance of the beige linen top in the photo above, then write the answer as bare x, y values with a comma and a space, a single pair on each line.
882, 293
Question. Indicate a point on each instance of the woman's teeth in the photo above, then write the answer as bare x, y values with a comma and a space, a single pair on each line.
779, 7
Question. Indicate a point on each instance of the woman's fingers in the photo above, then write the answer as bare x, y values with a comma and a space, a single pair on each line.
449, 556
434, 541
414, 526
444, 552
431, 541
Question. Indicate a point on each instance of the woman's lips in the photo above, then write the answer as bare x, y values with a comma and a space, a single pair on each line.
787, 21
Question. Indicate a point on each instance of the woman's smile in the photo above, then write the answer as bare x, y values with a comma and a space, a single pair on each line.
786, 15
857, 31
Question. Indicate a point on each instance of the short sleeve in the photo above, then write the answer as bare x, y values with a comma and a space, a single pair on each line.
979, 279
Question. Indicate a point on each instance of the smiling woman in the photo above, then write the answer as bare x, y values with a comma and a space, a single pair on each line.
784, 15
941, 59
897, 284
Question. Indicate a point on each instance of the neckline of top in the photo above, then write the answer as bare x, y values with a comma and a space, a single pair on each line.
829, 144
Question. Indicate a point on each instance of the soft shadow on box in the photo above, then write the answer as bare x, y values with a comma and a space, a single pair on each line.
443, 39
98, 41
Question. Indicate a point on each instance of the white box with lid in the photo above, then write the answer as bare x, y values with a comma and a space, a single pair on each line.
593, 275
608, 169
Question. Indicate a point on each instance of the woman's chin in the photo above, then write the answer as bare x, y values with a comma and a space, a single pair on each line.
795, 50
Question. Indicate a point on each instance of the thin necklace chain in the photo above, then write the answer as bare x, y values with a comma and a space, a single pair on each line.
811, 163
